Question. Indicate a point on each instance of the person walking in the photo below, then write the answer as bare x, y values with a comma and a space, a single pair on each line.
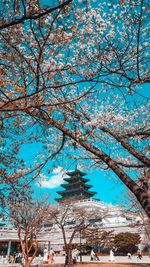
129, 256
51, 256
75, 254
139, 255
92, 255
112, 255
45, 256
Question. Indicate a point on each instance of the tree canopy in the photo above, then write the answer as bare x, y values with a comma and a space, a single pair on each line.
69, 78
127, 241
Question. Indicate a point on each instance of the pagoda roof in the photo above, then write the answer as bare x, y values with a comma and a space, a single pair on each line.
76, 172
70, 179
75, 190
65, 185
75, 186
74, 197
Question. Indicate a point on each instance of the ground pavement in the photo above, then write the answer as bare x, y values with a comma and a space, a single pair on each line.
118, 259
86, 259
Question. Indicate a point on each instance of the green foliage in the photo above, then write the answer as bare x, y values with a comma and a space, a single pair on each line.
127, 241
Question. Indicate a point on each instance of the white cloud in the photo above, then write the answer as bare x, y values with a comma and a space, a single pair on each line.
54, 181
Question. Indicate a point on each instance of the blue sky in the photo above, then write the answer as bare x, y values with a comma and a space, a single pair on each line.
106, 184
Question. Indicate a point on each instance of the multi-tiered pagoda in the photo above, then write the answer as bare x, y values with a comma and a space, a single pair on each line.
75, 187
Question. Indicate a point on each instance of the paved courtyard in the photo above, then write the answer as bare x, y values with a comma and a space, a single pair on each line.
86, 259
105, 259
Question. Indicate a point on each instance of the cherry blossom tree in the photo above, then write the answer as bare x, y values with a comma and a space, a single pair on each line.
29, 217
19, 11
30, 71
110, 145
74, 74
72, 45
71, 218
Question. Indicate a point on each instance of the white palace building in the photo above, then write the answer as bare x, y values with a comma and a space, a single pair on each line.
116, 220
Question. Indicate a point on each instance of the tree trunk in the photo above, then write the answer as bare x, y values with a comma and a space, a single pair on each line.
68, 260
27, 263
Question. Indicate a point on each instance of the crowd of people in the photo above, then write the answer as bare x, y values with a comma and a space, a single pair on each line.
48, 256
15, 258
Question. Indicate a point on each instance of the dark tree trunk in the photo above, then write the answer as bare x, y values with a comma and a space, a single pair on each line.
27, 263
68, 259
